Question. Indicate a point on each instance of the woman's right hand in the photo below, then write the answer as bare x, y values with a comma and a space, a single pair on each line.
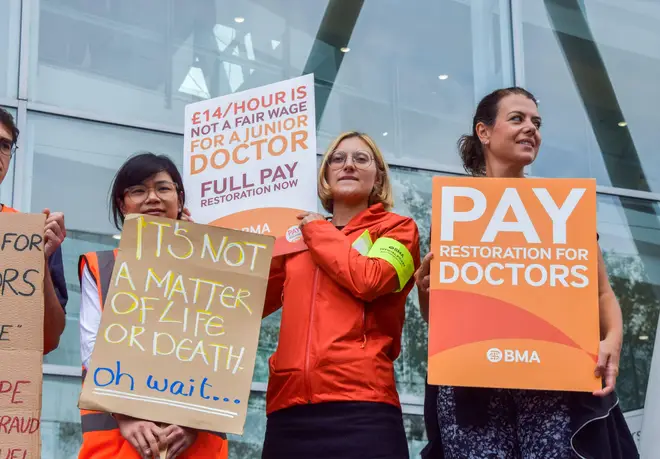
145, 436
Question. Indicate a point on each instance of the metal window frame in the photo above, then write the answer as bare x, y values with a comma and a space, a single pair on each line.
22, 182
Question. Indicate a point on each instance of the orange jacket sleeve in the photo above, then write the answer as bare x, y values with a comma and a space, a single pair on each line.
275, 286
365, 277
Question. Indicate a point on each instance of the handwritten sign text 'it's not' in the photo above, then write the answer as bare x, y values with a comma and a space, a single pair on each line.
21, 333
180, 326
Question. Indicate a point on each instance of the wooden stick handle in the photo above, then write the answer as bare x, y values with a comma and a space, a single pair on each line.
163, 453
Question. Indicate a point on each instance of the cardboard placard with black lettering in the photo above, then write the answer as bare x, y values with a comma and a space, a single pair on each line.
179, 332
22, 264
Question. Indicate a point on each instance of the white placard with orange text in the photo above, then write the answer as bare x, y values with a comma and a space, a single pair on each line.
250, 160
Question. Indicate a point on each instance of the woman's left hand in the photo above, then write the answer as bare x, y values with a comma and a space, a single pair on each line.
179, 439
185, 215
607, 367
307, 217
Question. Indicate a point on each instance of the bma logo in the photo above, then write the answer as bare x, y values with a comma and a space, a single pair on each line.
512, 356
494, 355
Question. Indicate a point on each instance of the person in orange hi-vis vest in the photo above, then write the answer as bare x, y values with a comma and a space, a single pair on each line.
145, 184
331, 390
55, 294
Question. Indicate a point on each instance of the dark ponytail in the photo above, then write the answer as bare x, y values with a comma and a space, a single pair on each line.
469, 146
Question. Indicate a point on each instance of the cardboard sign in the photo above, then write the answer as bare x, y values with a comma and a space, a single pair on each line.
22, 265
514, 284
180, 327
250, 160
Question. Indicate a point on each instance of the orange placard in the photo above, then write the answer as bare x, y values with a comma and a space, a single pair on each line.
514, 284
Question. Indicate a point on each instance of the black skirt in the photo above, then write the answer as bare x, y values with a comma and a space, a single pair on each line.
337, 430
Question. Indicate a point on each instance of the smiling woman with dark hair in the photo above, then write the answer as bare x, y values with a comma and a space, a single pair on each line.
483, 423
145, 184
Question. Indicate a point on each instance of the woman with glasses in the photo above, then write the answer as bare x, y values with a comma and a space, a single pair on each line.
145, 184
331, 389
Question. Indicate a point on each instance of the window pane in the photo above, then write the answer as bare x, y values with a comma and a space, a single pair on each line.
137, 61
10, 30
73, 165
630, 239
61, 435
412, 198
595, 66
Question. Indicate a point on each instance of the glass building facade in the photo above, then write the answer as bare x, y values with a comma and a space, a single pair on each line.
92, 82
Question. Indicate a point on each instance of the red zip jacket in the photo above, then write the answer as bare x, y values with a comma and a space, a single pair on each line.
343, 311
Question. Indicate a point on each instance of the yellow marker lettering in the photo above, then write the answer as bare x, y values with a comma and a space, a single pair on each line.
140, 226
178, 232
199, 318
163, 317
124, 273
224, 295
157, 351
179, 287
243, 293
180, 347
209, 324
106, 335
159, 238
256, 248
153, 277
208, 247
238, 357
211, 294
241, 255
132, 308
199, 349
145, 307
397, 255
218, 353
135, 332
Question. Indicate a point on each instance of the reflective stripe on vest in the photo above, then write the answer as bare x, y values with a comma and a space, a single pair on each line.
101, 265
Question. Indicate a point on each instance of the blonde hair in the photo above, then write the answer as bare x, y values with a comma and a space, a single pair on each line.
382, 191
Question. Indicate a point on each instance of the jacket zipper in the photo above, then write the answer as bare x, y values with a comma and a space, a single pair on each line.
587, 423
364, 328
308, 383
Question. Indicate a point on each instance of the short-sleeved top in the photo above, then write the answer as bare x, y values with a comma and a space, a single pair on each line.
56, 268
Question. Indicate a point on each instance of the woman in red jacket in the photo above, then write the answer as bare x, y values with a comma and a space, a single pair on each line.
331, 390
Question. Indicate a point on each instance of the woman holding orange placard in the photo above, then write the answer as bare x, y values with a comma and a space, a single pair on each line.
483, 423
331, 389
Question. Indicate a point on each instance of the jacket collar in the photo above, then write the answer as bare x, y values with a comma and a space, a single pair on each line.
367, 218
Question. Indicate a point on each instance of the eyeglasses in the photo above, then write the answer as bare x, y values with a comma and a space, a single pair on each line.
7, 147
361, 159
166, 191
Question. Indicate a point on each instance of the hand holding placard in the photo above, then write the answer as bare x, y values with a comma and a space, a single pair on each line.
180, 327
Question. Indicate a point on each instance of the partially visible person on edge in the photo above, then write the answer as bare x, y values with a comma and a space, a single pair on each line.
331, 391
145, 184
55, 294
482, 423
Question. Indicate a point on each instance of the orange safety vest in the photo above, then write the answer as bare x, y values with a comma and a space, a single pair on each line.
101, 436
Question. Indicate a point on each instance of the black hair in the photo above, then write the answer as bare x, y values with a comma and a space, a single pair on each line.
135, 171
7, 121
469, 146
